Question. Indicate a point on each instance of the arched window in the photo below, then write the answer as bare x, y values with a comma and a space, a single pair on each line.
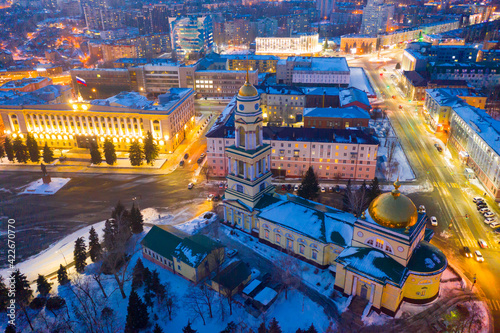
257, 136
242, 137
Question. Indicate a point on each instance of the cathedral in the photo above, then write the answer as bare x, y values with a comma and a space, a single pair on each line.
384, 256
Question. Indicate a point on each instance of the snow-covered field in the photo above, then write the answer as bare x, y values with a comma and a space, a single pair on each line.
38, 187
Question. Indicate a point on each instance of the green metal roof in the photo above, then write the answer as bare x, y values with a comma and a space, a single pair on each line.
161, 242
193, 250
233, 275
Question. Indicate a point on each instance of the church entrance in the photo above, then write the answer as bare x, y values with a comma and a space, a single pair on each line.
364, 291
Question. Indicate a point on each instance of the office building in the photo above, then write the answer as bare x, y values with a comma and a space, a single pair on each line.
304, 45
312, 71
377, 16
191, 34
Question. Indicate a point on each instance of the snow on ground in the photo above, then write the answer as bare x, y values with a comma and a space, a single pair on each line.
125, 163
192, 227
321, 280
375, 319
38, 187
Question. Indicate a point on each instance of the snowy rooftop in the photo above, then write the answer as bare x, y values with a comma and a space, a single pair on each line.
351, 95
280, 90
313, 220
448, 96
333, 64
360, 80
266, 296
22, 83
327, 91
427, 258
348, 112
251, 286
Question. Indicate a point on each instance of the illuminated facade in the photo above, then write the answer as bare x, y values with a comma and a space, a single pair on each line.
191, 34
306, 45
124, 118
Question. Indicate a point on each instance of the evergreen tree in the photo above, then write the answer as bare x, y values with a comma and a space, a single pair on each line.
43, 286
48, 154
311, 329
95, 154
135, 154
374, 189
95, 249
309, 189
138, 274
136, 220
262, 328
109, 234
151, 149
188, 329
274, 327
9, 150
10, 329
23, 292
80, 255
2, 152
230, 328
62, 275
33, 149
157, 329
398, 66
119, 212
345, 197
109, 152
20, 150
137, 313
4, 295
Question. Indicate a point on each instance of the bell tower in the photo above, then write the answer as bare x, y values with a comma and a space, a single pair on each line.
249, 172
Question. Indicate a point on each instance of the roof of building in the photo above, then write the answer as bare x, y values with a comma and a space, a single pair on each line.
325, 224
447, 96
348, 112
427, 258
16, 84
194, 249
359, 80
372, 263
44, 95
233, 275
266, 296
332, 64
320, 91
249, 288
161, 241
415, 78
279, 89
452, 83
352, 95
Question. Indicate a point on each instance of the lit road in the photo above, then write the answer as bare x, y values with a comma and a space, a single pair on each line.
451, 198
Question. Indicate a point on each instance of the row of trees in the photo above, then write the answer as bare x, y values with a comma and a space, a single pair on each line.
24, 152
138, 152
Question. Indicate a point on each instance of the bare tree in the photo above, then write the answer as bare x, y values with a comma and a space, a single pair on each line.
166, 298
358, 201
391, 164
207, 171
207, 297
469, 320
285, 271
195, 304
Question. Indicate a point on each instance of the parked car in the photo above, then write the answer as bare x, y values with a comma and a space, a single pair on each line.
216, 197
330, 189
190, 186
186, 156
210, 197
199, 160
476, 199
489, 220
438, 147
181, 163
283, 187
482, 243
494, 225
484, 210
337, 188
489, 215
467, 252
421, 209
226, 185
296, 188
232, 253
481, 206
434, 221
202, 155
289, 187
400, 106
221, 185
479, 257
322, 188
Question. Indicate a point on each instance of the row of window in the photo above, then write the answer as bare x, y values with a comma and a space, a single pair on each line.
289, 244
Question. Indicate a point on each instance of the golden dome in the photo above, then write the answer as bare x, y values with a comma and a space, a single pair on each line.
393, 210
248, 90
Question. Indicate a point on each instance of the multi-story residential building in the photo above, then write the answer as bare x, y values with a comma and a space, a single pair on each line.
334, 154
475, 134
338, 118
26, 84
404, 35
376, 17
313, 71
439, 102
191, 34
281, 104
156, 19
325, 8
305, 45
488, 55
103, 18
123, 118
477, 74
262, 63
267, 27
238, 32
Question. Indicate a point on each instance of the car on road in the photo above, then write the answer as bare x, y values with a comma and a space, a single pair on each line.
216, 197
232, 253
438, 147
489, 220
489, 215
434, 221
181, 163
210, 197
494, 225
202, 155
322, 188
481, 205
421, 209
393, 96
400, 106
186, 156
484, 210
479, 257
482, 243
476, 199
199, 160
467, 252
190, 186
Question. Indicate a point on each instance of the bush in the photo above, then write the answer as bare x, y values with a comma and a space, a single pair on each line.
38, 303
208, 216
55, 303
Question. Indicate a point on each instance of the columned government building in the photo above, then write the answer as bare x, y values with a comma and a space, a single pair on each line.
123, 118
383, 257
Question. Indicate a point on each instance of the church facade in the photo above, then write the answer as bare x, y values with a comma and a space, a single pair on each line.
384, 256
